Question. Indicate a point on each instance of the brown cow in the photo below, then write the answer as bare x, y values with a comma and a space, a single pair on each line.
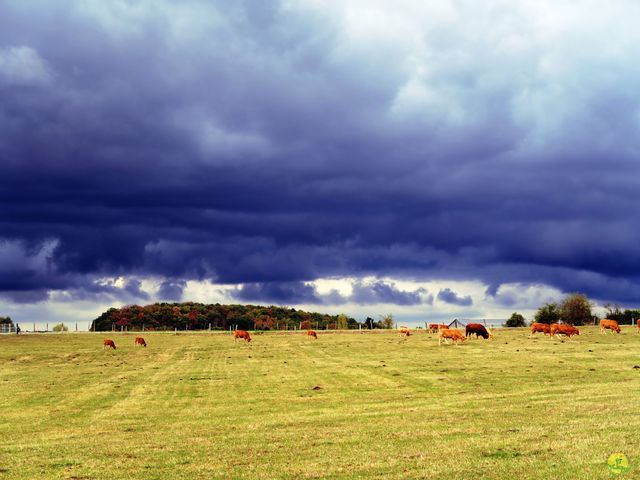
540, 327
140, 342
404, 331
312, 333
447, 334
435, 327
479, 329
568, 330
241, 334
606, 324
108, 344
638, 331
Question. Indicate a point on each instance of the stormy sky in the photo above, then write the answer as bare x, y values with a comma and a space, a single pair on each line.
426, 158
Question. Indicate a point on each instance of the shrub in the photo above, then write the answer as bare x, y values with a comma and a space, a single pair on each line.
516, 320
576, 309
548, 313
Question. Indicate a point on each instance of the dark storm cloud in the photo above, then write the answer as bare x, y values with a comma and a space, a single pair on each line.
282, 292
381, 292
362, 294
267, 144
449, 296
172, 290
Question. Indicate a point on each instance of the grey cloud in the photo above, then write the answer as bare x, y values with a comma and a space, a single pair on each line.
171, 290
382, 292
449, 296
362, 294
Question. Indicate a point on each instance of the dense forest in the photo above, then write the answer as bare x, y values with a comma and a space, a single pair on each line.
199, 316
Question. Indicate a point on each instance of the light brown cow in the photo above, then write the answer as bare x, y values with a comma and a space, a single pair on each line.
140, 342
404, 331
108, 344
606, 324
447, 334
567, 330
541, 328
312, 333
241, 334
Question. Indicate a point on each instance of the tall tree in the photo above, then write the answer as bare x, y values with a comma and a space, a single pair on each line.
548, 313
576, 309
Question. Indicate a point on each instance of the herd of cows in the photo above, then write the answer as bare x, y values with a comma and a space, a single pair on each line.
444, 332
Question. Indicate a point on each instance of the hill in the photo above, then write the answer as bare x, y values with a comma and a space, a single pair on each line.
200, 316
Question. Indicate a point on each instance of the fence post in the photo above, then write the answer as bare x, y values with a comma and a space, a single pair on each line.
76, 326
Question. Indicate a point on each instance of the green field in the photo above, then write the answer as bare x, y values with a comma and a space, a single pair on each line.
198, 406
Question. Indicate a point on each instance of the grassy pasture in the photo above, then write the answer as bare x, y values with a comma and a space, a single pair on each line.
198, 406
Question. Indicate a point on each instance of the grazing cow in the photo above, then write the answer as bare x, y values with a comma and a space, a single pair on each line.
404, 331
140, 342
540, 327
638, 331
241, 334
479, 329
435, 327
568, 330
108, 344
447, 334
312, 333
606, 324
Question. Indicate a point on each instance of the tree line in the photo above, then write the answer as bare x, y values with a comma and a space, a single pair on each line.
574, 309
199, 316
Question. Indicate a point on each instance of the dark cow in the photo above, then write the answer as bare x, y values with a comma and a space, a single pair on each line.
140, 342
479, 329
312, 333
108, 344
241, 334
